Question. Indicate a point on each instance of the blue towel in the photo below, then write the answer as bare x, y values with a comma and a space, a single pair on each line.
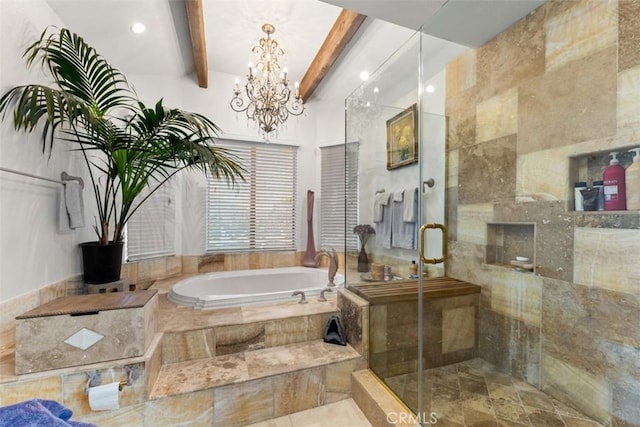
402, 232
38, 413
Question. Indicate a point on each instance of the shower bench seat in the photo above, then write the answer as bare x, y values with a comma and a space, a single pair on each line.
407, 290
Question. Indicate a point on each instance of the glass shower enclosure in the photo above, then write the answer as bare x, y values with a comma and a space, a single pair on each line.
396, 128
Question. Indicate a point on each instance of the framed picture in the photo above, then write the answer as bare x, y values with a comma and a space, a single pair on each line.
402, 138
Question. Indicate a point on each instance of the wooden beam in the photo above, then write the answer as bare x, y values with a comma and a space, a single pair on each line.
198, 40
341, 33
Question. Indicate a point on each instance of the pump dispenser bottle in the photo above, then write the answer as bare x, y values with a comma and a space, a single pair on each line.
614, 185
632, 177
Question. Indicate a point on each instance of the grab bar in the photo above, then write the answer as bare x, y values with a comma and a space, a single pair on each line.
64, 176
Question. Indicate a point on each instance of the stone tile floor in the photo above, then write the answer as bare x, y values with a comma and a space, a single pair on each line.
474, 393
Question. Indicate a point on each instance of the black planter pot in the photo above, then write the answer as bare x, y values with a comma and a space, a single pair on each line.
101, 263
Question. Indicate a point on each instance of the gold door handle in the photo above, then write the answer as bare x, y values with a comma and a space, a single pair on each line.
443, 258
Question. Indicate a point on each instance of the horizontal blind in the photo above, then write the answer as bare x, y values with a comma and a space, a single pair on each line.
151, 229
339, 190
258, 214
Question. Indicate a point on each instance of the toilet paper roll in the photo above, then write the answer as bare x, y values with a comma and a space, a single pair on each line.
104, 397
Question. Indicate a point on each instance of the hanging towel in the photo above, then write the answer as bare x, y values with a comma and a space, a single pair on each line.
402, 233
410, 204
379, 201
383, 227
74, 203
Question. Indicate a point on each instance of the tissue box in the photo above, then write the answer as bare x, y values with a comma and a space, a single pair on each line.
84, 329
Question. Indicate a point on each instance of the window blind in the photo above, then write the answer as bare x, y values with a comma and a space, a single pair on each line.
151, 229
339, 190
258, 214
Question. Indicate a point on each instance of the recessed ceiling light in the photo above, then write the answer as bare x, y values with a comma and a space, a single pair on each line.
138, 27
364, 76
430, 88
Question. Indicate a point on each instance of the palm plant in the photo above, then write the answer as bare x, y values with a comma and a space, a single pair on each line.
126, 145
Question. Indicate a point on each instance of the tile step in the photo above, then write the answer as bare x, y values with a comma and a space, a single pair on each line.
378, 403
187, 377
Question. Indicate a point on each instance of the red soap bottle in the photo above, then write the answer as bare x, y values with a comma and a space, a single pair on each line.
615, 198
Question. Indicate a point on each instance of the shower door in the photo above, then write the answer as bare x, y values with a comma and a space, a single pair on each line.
396, 132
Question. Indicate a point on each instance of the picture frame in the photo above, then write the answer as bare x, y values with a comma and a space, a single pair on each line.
402, 138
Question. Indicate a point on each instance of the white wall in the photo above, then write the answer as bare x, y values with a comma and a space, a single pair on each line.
34, 251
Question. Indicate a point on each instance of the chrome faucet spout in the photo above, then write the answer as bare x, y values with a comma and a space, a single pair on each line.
333, 263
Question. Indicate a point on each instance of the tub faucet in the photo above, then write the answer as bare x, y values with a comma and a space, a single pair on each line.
303, 298
333, 264
322, 297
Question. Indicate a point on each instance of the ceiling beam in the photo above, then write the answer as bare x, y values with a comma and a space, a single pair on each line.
198, 40
341, 33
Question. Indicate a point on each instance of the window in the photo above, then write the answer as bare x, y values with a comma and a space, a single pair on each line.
151, 229
339, 190
258, 214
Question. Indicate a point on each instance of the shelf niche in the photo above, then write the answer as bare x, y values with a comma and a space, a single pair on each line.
589, 167
508, 240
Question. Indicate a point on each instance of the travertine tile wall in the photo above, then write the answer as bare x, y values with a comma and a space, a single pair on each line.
562, 82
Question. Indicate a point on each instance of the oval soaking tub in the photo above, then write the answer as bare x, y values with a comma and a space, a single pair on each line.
230, 288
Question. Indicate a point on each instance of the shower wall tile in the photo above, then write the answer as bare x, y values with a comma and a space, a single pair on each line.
518, 296
488, 171
626, 403
196, 409
298, 391
520, 357
512, 56
600, 341
451, 212
590, 394
554, 234
628, 30
452, 169
461, 73
577, 32
243, 403
472, 222
607, 258
461, 119
458, 329
564, 106
497, 116
188, 345
628, 111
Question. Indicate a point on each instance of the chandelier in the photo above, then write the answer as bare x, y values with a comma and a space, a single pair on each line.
268, 96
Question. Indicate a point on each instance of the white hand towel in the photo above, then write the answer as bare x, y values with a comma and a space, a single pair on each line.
380, 200
74, 203
410, 205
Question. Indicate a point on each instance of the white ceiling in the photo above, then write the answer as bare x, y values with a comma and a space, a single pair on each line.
233, 28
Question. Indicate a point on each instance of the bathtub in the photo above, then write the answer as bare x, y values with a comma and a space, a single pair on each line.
231, 288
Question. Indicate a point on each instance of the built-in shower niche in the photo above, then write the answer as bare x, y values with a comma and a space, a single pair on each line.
509, 243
